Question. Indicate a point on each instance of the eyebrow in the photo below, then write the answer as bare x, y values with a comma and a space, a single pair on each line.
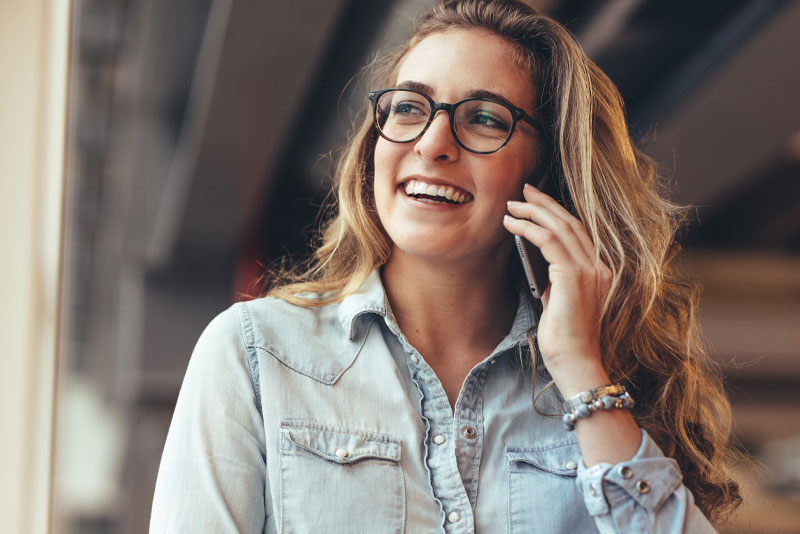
475, 93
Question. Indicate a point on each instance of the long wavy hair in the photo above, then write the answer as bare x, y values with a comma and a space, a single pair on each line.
650, 337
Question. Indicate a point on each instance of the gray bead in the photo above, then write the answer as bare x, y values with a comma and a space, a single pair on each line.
568, 420
583, 411
609, 402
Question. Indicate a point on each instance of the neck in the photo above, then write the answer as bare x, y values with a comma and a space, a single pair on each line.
450, 308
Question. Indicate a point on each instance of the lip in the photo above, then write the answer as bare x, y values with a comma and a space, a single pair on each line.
401, 188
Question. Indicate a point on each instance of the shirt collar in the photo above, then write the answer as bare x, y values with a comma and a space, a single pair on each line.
370, 298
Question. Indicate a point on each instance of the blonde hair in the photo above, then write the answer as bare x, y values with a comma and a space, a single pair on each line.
650, 336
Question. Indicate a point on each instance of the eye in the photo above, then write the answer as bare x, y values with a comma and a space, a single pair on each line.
488, 120
409, 107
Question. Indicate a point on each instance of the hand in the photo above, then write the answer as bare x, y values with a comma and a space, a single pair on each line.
569, 328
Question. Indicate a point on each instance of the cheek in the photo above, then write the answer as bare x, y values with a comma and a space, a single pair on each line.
385, 158
385, 169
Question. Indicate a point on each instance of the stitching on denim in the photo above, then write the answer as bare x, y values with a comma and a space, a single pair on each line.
246, 325
310, 454
306, 370
543, 448
283, 496
366, 434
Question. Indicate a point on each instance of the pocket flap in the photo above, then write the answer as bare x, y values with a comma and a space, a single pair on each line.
559, 460
343, 446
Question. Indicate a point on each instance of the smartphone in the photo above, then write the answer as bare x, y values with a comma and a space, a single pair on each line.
533, 263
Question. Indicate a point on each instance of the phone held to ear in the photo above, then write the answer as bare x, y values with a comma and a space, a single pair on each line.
534, 265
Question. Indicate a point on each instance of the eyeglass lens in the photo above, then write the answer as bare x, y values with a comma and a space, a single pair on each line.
480, 125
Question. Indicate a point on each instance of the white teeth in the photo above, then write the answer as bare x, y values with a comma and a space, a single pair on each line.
414, 187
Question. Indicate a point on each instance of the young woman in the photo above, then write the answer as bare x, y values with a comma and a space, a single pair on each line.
389, 387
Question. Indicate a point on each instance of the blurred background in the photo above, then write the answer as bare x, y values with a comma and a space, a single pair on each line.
201, 141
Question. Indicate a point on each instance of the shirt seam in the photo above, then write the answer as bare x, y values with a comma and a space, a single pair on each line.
246, 324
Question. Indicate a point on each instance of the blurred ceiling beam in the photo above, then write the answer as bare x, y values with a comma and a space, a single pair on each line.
256, 62
719, 149
606, 25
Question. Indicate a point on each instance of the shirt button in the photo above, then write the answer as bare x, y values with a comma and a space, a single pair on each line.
593, 489
625, 472
453, 517
492, 361
643, 486
341, 453
439, 439
571, 464
414, 358
469, 432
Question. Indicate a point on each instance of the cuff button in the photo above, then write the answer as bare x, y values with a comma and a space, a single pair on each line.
643, 486
625, 472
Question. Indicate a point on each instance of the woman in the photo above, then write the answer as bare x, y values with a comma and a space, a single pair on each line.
388, 387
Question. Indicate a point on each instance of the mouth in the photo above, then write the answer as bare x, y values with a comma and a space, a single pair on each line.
435, 193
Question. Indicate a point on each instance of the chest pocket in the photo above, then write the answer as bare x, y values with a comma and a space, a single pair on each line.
542, 493
339, 480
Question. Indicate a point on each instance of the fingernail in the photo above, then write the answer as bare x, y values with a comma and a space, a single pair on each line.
513, 202
529, 186
507, 218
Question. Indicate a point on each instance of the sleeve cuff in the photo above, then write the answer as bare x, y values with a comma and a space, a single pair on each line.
649, 478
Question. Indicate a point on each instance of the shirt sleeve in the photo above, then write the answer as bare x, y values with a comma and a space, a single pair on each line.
212, 476
642, 495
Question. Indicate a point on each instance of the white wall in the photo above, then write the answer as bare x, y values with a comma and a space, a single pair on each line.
34, 47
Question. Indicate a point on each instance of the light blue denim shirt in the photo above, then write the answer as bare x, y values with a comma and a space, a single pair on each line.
326, 420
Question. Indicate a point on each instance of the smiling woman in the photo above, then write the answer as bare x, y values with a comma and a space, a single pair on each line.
386, 386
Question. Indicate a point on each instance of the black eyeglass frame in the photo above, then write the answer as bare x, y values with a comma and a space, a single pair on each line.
517, 114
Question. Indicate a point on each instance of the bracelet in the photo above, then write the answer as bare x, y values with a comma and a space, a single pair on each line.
585, 403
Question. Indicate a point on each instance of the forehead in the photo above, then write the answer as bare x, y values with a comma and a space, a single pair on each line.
458, 61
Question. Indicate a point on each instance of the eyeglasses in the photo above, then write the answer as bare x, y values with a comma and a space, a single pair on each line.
480, 125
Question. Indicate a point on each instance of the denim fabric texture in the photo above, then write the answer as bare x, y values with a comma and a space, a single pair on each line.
326, 420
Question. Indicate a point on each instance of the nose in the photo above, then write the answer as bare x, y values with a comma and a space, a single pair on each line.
438, 143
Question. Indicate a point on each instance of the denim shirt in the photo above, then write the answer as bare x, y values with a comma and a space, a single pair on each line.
312, 420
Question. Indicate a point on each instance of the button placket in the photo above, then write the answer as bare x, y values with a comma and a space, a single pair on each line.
439, 459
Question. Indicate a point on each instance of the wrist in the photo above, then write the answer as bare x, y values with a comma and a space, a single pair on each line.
572, 381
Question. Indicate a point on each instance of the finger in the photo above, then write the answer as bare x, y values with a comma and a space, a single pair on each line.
545, 240
534, 196
543, 217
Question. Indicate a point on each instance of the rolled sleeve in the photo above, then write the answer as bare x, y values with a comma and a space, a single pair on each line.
643, 494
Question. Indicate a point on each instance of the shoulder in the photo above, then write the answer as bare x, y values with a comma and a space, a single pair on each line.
268, 322
318, 342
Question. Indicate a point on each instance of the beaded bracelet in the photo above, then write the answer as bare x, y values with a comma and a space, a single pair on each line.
585, 403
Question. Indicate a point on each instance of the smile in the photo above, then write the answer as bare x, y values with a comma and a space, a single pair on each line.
435, 194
